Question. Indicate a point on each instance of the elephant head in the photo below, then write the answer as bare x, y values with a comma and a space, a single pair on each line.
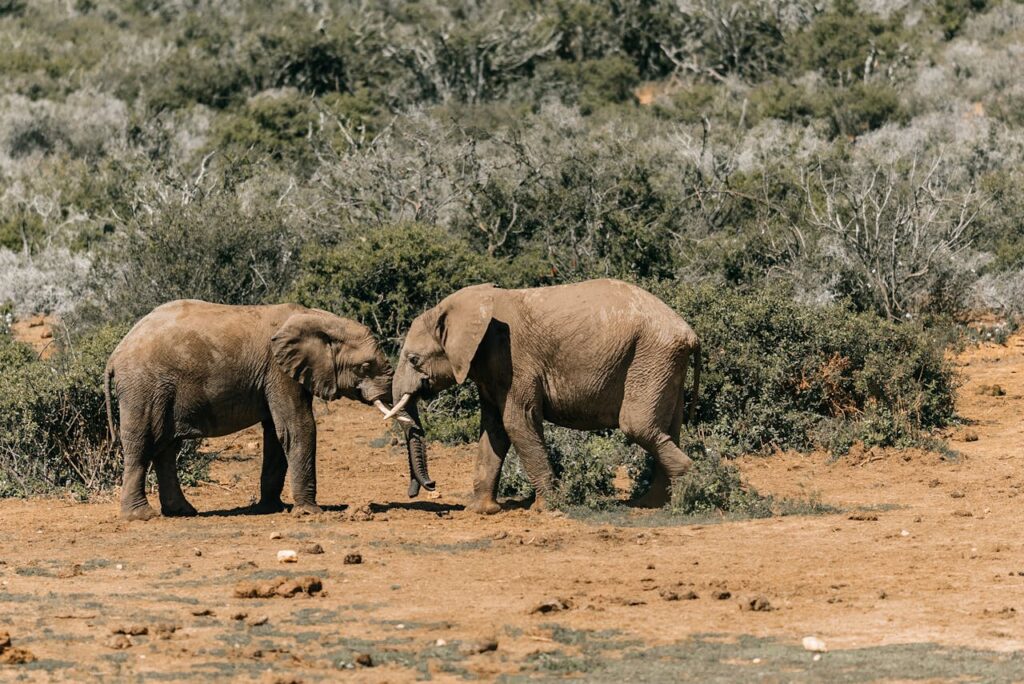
437, 354
333, 357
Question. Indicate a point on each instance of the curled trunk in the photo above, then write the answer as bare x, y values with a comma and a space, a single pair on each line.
416, 447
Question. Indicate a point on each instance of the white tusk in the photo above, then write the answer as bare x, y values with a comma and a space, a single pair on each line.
381, 406
406, 419
397, 407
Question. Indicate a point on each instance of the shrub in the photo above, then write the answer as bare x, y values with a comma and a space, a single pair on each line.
713, 486
388, 276
783, 375
213, 247
53, 421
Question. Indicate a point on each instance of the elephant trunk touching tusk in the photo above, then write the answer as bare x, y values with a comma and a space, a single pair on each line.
388, 415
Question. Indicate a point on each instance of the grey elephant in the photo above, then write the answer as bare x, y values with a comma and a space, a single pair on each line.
193, 369
593, 355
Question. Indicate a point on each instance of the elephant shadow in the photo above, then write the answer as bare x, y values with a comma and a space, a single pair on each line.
251, 510
425, 506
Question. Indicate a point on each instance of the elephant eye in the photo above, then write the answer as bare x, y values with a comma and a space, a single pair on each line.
414, 359
364, 368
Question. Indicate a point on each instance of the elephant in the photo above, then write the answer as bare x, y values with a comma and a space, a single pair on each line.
593, 355
192, 369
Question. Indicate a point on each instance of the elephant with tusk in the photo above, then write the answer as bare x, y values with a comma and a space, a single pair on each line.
193, 369
594, 355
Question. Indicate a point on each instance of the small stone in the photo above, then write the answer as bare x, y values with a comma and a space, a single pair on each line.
312, 548
440, 642
275, 535
197, 552
202, 612
499, 535
956, 494
669, 595
257, 621
364, 660
721, 595
287, 556
970, 436
119, 642
5, 641
689, 596
239, 616
131, 630
904, 533
353, 559
814, 644
479, 646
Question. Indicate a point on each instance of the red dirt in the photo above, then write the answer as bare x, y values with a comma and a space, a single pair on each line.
943, 562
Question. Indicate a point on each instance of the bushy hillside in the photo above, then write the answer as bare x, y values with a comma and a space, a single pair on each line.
846, 174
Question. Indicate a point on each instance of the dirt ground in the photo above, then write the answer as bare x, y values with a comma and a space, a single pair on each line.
920, 577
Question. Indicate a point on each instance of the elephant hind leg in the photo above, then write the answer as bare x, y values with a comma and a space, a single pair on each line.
134, 505
172, 499
669, 463
275, 466
654, 420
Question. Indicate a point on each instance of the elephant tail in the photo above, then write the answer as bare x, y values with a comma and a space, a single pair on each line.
108, 375
691, 418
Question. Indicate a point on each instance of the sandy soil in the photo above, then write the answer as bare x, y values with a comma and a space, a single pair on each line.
927, 551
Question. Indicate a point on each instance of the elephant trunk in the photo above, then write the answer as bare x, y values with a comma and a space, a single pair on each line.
417, 450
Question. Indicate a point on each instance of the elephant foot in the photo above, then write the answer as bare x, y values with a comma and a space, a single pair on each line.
268, 506
181, 510
484, 507
143, 512
656, 497
540, 504
306, 509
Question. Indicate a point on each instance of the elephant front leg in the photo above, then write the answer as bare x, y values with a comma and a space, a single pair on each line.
526, 431
275, 465
295, 425
491, 452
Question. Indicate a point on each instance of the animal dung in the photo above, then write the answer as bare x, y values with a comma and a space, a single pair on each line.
283, 587
287, 556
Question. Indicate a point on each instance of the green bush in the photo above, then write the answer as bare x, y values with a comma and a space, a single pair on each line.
713, 486
387, 276
53, 421
211, 247
783, 375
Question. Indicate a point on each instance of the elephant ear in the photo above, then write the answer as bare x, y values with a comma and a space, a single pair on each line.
462, 322
305, 349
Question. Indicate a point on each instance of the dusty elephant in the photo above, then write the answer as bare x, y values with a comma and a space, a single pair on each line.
593, 355
193, 369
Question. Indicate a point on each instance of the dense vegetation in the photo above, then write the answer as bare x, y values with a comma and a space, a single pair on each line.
819, 187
